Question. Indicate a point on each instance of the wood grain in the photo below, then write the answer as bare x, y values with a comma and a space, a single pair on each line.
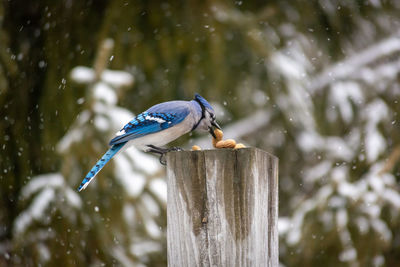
222, 208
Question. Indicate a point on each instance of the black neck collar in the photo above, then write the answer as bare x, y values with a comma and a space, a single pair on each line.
203, 114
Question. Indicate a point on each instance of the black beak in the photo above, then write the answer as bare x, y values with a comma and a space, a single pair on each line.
215, 124
211, 131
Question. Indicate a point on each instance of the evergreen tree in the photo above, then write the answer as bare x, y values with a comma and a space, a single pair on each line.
120, 218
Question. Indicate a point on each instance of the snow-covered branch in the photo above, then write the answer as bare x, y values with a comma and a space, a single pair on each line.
354, 63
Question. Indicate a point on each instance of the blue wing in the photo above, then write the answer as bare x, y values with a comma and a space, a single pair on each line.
155, 119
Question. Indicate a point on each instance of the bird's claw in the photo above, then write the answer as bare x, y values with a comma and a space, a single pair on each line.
162, 152
162, 160
175, 148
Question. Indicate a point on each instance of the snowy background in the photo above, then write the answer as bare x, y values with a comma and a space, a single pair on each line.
316, 83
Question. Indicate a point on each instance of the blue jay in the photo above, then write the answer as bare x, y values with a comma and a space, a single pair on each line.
158, 126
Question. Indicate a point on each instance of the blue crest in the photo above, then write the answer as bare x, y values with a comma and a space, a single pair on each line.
202, 101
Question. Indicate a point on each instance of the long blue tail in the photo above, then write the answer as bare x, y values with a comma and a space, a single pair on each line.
100, 164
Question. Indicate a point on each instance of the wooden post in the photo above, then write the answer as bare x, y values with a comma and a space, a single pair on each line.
222, 208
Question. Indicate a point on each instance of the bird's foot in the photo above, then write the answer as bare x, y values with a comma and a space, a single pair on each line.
162, 151
175, 148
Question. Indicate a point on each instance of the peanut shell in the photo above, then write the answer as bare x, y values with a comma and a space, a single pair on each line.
218, 134
239, 145
228, 143
195, 148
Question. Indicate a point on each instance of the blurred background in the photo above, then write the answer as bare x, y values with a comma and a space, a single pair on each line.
314, 82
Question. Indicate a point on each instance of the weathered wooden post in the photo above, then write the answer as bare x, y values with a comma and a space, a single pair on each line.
222, 208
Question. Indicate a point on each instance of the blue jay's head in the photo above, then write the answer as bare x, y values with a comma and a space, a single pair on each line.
207, 120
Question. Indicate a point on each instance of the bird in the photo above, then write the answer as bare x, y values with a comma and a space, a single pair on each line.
158, 126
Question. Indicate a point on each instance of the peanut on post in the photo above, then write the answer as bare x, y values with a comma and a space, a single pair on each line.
195, 148
239, 145
219, 143
229, 143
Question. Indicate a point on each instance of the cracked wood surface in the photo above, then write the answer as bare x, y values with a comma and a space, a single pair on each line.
222, 208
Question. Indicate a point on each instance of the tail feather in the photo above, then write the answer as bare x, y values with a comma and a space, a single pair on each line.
100, 164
